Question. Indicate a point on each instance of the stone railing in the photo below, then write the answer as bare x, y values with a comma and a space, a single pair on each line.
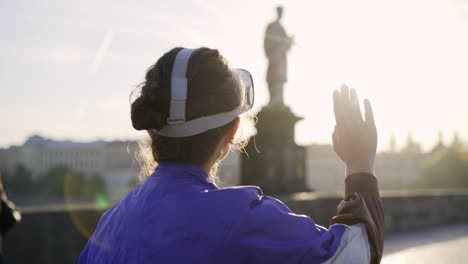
404, 210
57, 234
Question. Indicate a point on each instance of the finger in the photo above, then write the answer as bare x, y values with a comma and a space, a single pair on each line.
337, 107
369, 113
345, 94
345, 106
355, 109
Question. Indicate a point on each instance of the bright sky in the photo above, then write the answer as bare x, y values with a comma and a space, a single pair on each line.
67, 67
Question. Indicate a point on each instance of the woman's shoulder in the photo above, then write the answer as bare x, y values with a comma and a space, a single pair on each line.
241, 194
244, 199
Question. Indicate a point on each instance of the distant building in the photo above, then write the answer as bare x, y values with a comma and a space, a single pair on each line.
397, 170
112, 160
39, 154
394, 170
324, 169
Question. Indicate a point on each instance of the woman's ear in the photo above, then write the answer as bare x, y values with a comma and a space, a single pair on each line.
231, 132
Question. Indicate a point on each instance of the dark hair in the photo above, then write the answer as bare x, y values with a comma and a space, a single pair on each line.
211, 89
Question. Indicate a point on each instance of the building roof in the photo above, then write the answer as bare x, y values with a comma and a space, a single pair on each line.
37, 140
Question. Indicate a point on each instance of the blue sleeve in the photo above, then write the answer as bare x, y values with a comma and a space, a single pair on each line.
271, 233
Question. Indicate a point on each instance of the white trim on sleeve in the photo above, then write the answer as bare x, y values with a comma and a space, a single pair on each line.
354, 247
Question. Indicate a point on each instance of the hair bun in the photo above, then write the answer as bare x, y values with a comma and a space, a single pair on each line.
145, 117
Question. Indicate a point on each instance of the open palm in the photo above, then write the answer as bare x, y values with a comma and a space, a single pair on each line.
354, 138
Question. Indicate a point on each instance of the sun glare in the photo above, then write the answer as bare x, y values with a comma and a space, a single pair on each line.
409, 58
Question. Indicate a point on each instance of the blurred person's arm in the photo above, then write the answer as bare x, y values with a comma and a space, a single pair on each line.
9, 215
355, 142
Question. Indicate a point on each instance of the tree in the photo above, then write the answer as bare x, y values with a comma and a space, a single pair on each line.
53, 181
446, 168
20, 181
75, 185
96, 186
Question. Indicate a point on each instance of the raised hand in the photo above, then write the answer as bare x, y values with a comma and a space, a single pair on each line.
354, 139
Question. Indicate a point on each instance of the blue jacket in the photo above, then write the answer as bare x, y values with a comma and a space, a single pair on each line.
178, 216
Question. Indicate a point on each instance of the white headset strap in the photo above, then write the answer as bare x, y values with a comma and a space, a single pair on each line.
200, 125
179, 87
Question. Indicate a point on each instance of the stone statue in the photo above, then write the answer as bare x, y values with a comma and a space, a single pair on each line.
277, 43
278, 164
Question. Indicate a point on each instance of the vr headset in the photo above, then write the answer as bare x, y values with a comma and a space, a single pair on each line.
177, 125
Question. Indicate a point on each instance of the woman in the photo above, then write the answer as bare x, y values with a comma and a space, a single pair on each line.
189, 105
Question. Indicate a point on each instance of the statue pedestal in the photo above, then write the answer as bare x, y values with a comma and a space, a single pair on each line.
274, 161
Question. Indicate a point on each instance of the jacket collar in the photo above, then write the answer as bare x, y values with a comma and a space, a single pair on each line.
178, 171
